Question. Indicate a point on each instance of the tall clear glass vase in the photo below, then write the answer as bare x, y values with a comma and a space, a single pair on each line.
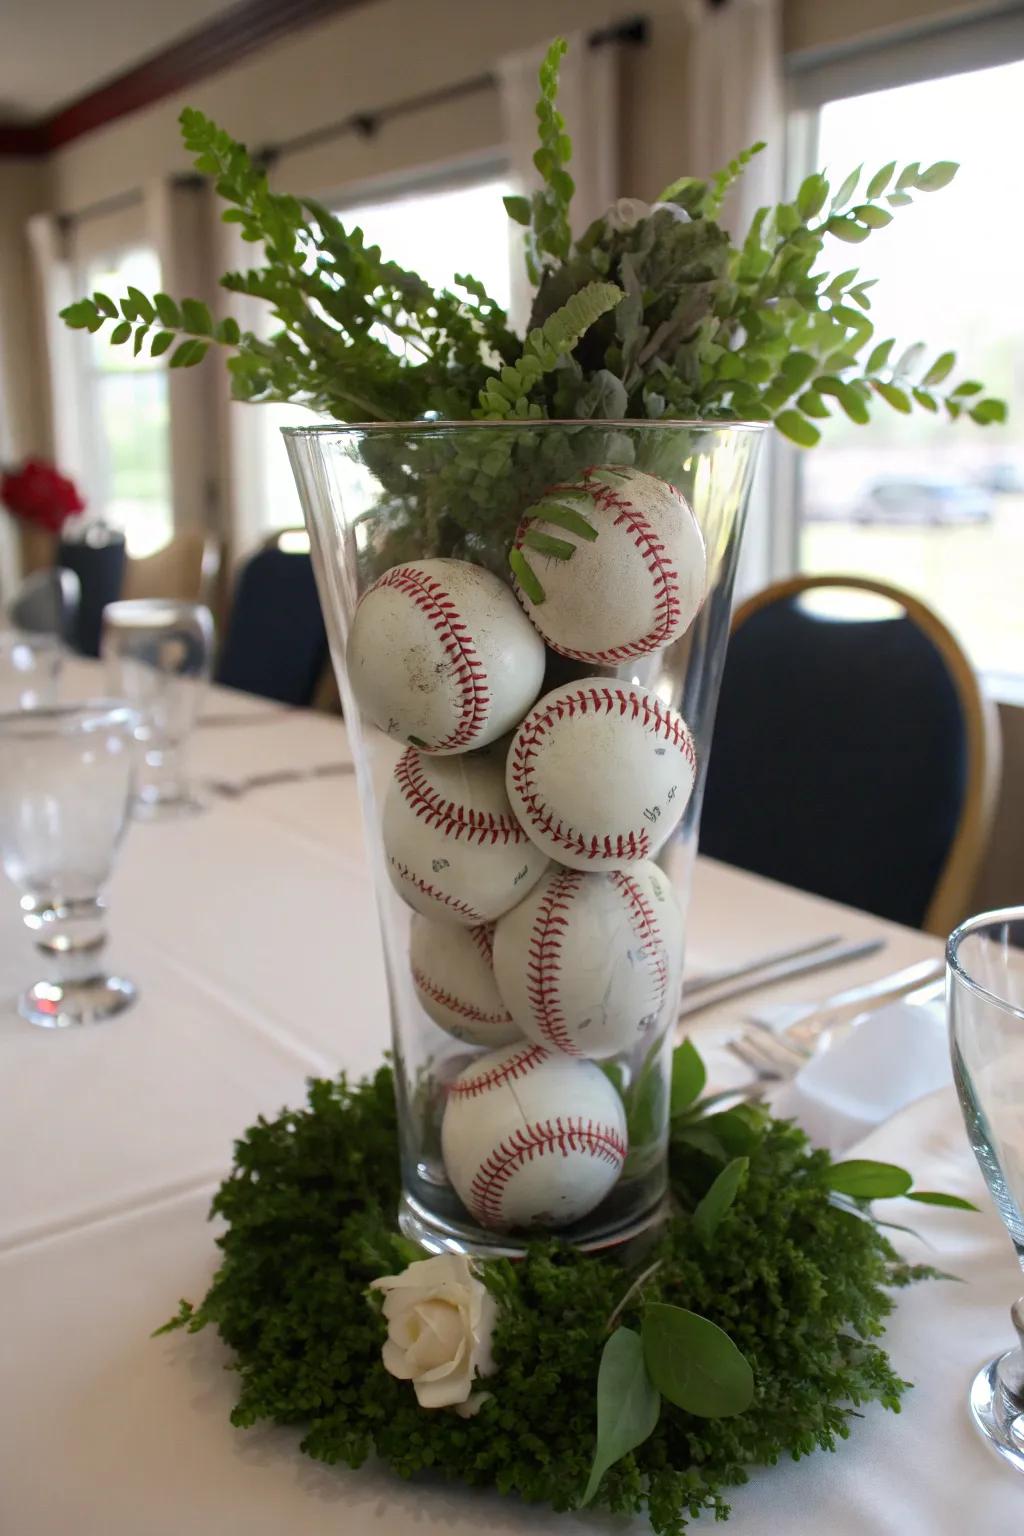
531, 740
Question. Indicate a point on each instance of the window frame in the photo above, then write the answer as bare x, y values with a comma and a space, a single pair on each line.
93, 456
931, 51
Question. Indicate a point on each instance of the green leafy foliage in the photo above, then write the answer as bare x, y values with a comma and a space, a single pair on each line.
695, 1364
688, 1076
628, 1404
863, 1179
713, 1207
309, 1221
699, 328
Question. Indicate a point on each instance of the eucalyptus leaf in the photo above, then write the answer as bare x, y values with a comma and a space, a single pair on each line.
689, 1075
893, 396
863, 1179
628, 1404
846, 191
694, 1363
710, 1211
936, 1197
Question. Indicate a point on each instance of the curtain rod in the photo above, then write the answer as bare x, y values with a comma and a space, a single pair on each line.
366, 124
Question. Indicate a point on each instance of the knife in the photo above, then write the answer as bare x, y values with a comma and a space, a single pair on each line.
804, 966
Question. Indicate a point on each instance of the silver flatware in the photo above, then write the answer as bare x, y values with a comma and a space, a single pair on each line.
781, 1055
803, 1025
235, 789
845, 954
706, 979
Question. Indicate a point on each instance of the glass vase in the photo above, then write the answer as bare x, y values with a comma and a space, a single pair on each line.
530, 1098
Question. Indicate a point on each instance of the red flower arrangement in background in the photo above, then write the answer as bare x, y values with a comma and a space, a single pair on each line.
38, 494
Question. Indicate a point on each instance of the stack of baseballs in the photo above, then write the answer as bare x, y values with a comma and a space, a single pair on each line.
542, 930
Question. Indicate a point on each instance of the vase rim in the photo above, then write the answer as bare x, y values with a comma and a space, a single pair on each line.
535, 423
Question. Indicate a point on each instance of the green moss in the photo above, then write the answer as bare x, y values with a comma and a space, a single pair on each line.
801, 1285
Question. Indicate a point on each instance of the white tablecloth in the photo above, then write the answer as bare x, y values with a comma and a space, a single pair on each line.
252, 935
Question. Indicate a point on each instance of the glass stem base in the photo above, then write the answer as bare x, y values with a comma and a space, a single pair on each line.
61, 1005
70, 936
998, 1414
422, 1226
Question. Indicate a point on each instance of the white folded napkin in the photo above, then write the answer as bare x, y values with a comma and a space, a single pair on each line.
897, 1055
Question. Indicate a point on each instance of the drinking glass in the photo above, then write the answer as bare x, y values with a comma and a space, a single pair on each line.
66, 777
30, 667
159, 655
985, 990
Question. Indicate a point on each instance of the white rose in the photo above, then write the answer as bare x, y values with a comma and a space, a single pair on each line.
440, 1318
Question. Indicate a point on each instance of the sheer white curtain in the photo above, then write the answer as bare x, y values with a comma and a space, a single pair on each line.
733, 98
588, 99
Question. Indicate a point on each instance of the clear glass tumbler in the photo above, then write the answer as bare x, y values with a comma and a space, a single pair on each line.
66, 779
159, 655
375, 499
985, 989
30, 668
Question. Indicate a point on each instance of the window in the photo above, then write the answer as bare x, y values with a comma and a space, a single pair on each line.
934, 506
125, 416
435, 233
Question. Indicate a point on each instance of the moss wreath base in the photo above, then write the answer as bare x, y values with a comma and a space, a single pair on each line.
798, 1276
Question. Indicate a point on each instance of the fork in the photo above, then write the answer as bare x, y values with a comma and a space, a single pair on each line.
781, 1055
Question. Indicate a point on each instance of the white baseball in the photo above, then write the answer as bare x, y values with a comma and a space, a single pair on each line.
530, 1139
442, 656
599, 773
636, 587
455, 851
453, 974
591, 964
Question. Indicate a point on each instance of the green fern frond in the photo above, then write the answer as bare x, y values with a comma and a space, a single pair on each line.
506, 394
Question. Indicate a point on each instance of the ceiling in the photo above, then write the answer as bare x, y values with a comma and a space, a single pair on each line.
54, 51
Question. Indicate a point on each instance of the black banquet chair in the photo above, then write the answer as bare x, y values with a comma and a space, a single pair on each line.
275, 644
854, 754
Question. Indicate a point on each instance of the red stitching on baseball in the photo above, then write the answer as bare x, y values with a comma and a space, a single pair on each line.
451, 902
644, 923
466, 667
483, 938
665, 577
544, 960
520, 1064
456, 1004
448, 816
583, 701
538, 1139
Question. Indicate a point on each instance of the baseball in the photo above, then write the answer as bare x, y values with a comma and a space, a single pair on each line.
530, 1139
636, 587
455, 851
453, 974
441, 655
591, 964
599, 773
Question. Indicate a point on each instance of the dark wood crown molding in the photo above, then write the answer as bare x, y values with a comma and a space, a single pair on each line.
221, 42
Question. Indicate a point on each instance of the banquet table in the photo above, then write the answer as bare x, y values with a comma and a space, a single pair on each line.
251, 933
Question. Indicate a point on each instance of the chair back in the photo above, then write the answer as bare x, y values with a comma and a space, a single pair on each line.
275, 643
854, 757
184, 570
47, 603
97, 560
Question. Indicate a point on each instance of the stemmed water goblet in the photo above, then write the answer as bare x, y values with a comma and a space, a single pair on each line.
159, 655
985, 991
66, 776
